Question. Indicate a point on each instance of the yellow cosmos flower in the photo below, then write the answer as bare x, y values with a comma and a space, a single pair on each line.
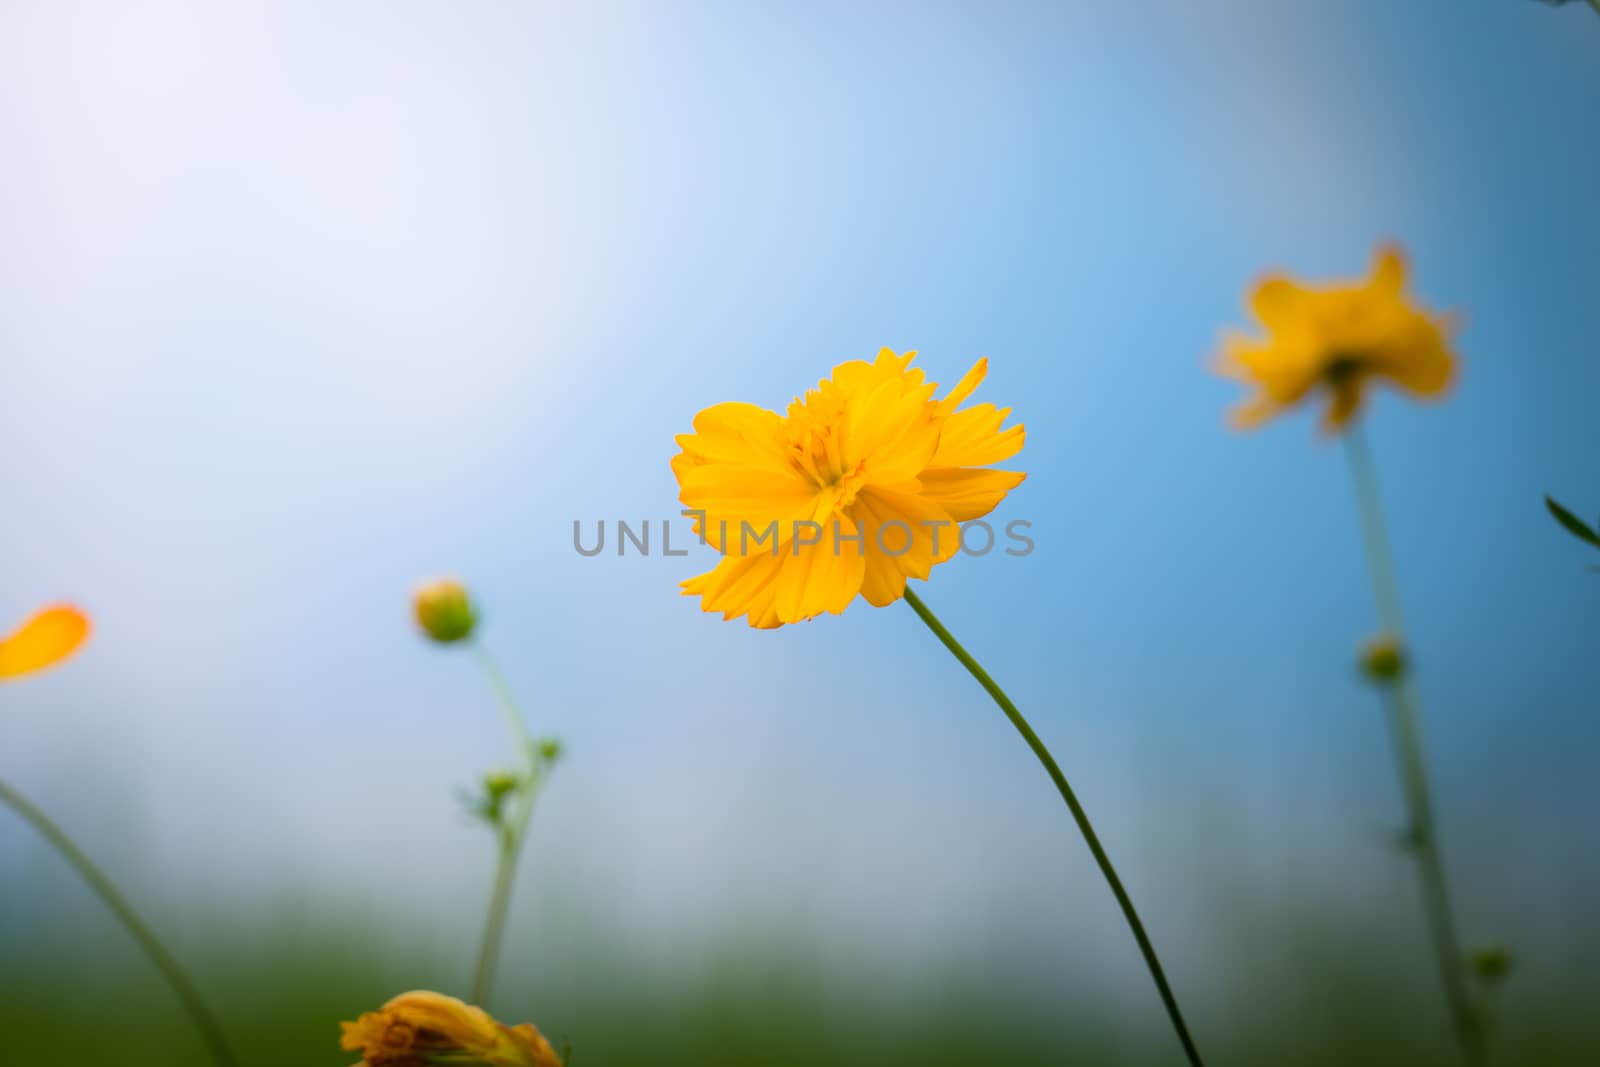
43, 641
1337, 339
421, 1029
859, 486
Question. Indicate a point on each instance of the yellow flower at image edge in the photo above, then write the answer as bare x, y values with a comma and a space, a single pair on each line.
865, 478
43, 641
1337, 339
421, 1028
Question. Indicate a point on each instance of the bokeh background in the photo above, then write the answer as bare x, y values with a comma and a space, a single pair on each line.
301, 303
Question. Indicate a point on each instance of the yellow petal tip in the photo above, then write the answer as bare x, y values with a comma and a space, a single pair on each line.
50, 636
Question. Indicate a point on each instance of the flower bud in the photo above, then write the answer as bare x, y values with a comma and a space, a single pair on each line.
498, 783
1383, 659
444, 611
549, 749
1490, 963
491, 803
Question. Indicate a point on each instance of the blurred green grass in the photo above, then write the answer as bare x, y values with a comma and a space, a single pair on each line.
1299, 991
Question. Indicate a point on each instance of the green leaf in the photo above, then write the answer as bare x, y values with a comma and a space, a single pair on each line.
1573, 524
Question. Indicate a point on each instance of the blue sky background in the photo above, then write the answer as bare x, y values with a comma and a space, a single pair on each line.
300, 304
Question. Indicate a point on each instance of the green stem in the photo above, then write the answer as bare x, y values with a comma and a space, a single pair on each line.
512, 832
1125, 902
113, 899
1404, 715
508, 703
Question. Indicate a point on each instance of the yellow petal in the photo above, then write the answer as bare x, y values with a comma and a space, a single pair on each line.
964, 388
910, 530
859, 376
1286, 369
741, 438
1388, 271
968, 493
1253, 412
736, 432
973, 438
44, 640
730, 489
741, 586
894, 429
882, 583
1419, 360
889, 360
1277, 301
734, 471
821, 577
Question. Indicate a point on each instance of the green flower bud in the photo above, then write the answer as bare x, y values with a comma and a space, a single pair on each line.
500, 782
549, 749
1383, 659
444, 611
1490, 963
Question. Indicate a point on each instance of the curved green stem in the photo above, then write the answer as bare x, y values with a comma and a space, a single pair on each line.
1125, 902
508, 703
113, 899
511, 831
1405, 732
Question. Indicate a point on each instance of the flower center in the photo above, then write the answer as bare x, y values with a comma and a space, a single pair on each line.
1343, 366
818, 453
817, 431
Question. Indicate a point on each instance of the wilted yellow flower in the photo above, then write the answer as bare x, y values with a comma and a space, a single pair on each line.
43, 641
1337, 339
445, 611
858, 487
421, 1029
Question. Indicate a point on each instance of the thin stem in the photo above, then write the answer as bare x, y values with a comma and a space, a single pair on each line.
1404, 715
1125, 902
499, 903
512, 832
113, 899
508, 703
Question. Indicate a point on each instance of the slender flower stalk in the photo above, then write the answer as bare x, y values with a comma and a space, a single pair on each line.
47, 638
1124, 901
111, 896
1404, 715
512, 827
446, 614
1334, 342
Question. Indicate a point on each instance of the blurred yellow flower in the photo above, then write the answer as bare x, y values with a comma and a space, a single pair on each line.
421, 1028
1337, 338
857, 487
444, 610
43, 641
